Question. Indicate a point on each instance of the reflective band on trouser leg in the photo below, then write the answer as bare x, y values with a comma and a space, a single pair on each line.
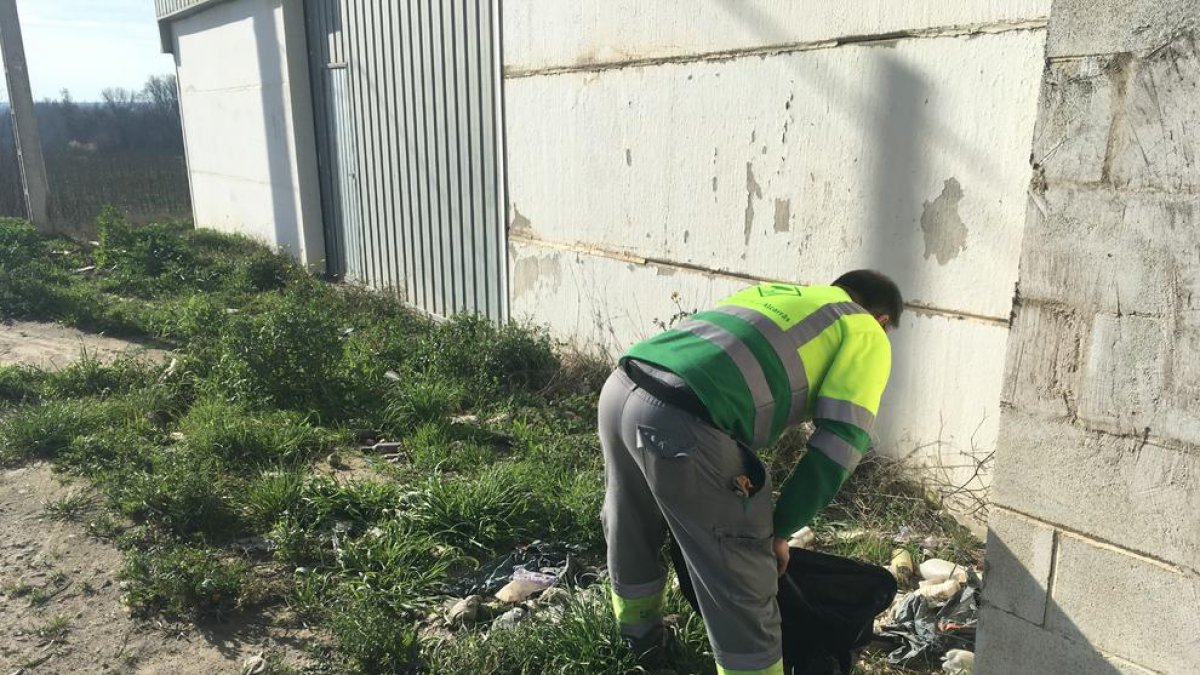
750, 368
774, 669
639, 614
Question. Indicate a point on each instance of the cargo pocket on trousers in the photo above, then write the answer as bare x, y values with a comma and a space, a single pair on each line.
667, 462
662, 445
750, 563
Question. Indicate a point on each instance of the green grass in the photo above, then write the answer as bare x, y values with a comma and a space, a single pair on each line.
183, 580
56, 628
274, 370
577, 636
70, 508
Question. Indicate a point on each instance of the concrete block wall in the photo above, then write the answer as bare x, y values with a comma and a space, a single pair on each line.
245, 100
659, 159
1093, 549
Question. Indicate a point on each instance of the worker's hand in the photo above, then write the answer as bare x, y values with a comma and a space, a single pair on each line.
782, 553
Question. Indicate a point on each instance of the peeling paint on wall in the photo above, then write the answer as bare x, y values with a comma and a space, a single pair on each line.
530, 272
945, 232
783, 215
753, 191
520, 224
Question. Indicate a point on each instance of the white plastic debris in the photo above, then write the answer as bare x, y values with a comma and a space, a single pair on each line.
851, 535
941, 591
958, 662
803, 538
936, 570
519, 590
510, 618
255, 665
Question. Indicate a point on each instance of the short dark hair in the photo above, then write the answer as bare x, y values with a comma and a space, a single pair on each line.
877, 293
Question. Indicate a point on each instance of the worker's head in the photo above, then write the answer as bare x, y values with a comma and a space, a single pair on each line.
876, 293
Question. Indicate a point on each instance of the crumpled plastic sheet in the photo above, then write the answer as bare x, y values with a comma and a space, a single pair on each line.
924, 629
539, 560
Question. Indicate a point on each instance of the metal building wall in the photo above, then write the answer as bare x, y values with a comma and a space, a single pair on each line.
165, 8
419, 211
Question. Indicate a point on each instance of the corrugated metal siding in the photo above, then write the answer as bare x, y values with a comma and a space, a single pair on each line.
423, 84
344, 209
165, 8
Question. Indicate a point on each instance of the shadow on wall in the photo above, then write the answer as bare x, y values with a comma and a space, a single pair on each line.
849, 98
275, 113
272, 76
1018, 610
895, 163
895, 106
896, 128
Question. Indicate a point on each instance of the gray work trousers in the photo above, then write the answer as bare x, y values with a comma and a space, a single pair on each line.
665, 468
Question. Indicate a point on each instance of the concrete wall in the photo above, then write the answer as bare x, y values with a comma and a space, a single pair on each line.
659, 159
247, 117
1094, 545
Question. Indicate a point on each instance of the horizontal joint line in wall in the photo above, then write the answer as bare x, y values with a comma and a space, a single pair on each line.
1085, 423
516, 72
1072, 640
1118, 190
1099, 542
602, 252
1066, 307
239, 179
241, 87
1174, 445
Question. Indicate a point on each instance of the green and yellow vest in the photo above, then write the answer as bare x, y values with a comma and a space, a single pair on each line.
774, 355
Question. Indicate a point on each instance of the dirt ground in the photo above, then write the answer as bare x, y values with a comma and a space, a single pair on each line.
60, 595
50, 346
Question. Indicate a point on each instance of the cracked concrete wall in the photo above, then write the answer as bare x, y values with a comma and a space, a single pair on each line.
663, 159
1094, 544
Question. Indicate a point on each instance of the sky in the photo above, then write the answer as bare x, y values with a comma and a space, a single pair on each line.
86, 46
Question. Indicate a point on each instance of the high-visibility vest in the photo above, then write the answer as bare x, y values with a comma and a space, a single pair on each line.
774, 355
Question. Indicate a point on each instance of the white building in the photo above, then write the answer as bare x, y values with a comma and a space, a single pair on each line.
602, 166
648, 161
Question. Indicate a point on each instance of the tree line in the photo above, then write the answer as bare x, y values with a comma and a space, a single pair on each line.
123, 121
125, 150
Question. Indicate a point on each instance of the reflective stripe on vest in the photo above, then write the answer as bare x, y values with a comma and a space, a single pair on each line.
836, 448
786, 345
844, 411
807, 330
788, 349
823, 317
748, 366
746, 359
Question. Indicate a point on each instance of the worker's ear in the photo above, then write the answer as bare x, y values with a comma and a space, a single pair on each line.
885, 320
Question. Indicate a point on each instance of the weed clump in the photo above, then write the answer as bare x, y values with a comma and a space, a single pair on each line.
183, 581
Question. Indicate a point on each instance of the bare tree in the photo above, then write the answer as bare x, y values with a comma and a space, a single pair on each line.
162, 93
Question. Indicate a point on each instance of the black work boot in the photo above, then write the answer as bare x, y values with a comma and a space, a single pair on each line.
652, 648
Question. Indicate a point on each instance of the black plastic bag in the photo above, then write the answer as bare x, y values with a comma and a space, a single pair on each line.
560, 560
922, 630
828, 605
